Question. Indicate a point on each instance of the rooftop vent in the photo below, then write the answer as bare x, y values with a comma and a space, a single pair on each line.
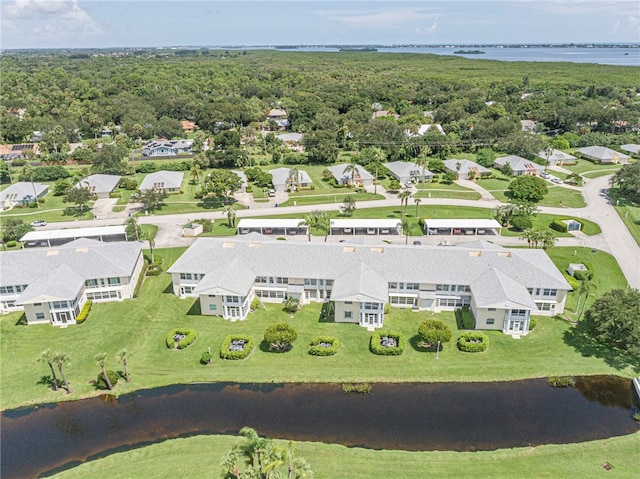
377, 249
53, 252
504, 254
255, 245
228, 245
475, 253
82, 250
349, 249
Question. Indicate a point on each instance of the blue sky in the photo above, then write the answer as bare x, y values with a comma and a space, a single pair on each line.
119, 23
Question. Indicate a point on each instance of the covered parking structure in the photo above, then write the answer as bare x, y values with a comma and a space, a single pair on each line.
365, 227
50, 238
471, 226
272, 226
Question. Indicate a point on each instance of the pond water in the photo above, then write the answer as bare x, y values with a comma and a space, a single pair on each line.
440, 416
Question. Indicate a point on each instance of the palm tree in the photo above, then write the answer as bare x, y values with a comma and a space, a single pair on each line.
418, 201
528, 234
585, 289
377, 157
196, 173
230, 211
124, 355
547, 151
352, 168
253, 447
100, 358
60, 358
294, 177
405, 229
548, 239
404, 200
47, 357
423, 161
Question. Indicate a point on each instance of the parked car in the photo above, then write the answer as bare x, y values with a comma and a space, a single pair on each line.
544, 175
37, 223
271, 193
556, 180
417, 243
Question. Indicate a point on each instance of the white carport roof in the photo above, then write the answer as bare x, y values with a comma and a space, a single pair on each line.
73, 233
462, 223
365, 223
270, 223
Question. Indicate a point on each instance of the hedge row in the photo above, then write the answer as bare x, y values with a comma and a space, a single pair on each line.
379, 349
473, 342
584, 275
558, 225
226, 353
316, 350
86, 309
466, 317
190, 337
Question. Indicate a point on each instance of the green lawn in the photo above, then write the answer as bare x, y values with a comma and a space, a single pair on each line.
336, 196
200, 457
112, 326
557, 195
629, 213
583, 166
53, 209
442, 190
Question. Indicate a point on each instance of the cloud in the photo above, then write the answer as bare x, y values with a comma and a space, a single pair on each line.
379, 18
52, 16
427, 30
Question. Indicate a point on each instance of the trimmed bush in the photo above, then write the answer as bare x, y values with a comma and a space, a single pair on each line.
473, 342
227, 353
521, 223
376, 345
280, 337
189, 337
319, 346
532, 324
562, 381
558, 225
431, 331
206, 358
465, 317
572, 281
12, 244
360, 388
387, 308
101, 382
86, 309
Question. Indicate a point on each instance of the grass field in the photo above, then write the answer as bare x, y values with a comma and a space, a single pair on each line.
629, 213
141, 325
557, 195
593, 169
200, 457
441, 190
336, 196
53, 209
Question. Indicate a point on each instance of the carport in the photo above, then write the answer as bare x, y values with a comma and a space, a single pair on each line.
365, 227
59, 237
471, 226
274, 226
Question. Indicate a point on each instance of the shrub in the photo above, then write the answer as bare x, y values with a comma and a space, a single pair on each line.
143, 273
128, 184
360, 388
387, 308
562, 381
255, 303
280, 337
432, 331
318, 346
101, 382
465, 317
532, 324
33, 204
206, 358
473, 342
189, 337
572, 281
521, 223
291, 304
376, 346
558, 225
226, 353
12, 244
581, 275
84, 312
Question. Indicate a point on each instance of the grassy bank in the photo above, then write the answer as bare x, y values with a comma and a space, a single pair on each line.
141, 325
200, 456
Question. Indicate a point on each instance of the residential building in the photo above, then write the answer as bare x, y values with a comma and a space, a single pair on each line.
188, 126
423, 129
51, 238
519, 165
346, 175
52, 284
167, 181
384, 114
556, 157
22, 193
405, 171
503, 287
100, 185
528, 125
632, 149
462, 168
279, 117
283, 180
601, 154
167, 148
19, 151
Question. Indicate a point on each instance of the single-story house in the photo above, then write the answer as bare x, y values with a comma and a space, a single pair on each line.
602, 154
423, 129
528, 125
272, 226
51, 238
279, 117
282, 179
167, 147
19, 151
357, 226
52, 284
461, 226
22, 193
462, 168
167, 181
100, 185
188, 126
556, 157
405, 171
384, 114
519, 165
503, 287
632, 149
292, 140
357, 176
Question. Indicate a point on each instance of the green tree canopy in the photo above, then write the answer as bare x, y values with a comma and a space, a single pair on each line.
628, 180
528, 188
280, 336
222, 184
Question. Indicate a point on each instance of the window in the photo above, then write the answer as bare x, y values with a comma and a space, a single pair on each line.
19, 288
91, 283
491, 309
309, 282
549, 292
329, 282
464, 288
185, 275
114, 281
348, 302
407, 301
393, 285
282, 280
490, 320
213, 307
39, 315
442, 287
261, 280
37, 304
348, 314
413, 286
6, 289
232, 299
546, 306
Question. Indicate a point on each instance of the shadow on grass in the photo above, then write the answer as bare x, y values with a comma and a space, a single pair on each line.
327, 313
195, 309
417, 345
22, 320
588, 347
211, 203
47, 380
74, 211
168, 289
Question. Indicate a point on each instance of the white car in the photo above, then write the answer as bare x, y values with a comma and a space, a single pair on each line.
556, 180
37, 223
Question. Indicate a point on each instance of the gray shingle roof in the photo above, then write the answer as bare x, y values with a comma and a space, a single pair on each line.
494, 288
338, 172
465, 166
407, 169
281, 176
19, 191
518, 163
61, 283
602, 153
100, 183
162, 180
360, 281
234, 277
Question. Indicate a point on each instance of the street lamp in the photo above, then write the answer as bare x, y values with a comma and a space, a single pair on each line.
438, 350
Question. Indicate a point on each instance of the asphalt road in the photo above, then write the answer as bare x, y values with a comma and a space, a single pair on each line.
615, 237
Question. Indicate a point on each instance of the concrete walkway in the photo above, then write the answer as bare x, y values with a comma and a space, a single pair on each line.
472, 185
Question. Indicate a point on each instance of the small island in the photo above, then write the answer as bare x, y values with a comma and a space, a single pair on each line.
468, 52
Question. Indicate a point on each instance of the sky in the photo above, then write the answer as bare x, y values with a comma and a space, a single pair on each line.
154, 23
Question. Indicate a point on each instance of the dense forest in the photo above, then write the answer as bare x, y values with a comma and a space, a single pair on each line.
330, 97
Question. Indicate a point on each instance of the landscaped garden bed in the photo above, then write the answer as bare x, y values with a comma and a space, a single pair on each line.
324, 346
236, 346
180, 338
473, 342
387, 343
